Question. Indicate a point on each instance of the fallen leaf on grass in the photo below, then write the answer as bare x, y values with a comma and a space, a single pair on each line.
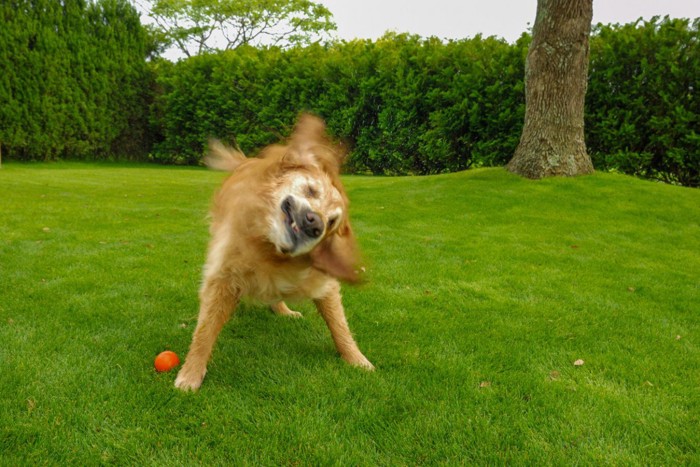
46, 229
554, 375
485, 384
578, 362
678, 338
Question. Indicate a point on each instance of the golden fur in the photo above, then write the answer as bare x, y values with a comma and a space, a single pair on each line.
280, 230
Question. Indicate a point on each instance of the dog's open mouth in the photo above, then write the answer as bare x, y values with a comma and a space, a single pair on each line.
293, 229
289, 218
303, 226
292, 226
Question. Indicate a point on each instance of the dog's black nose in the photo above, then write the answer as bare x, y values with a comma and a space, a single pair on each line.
312, 224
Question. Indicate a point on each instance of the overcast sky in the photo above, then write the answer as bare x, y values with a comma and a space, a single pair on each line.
456, 19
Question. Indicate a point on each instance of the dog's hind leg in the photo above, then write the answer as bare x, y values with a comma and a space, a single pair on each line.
331, 308
282, 309
217, 302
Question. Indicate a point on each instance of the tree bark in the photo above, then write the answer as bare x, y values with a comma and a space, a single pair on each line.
556, 75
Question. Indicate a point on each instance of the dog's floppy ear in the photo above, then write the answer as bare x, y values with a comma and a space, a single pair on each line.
309, 130
221, 157
309, 144
337, 255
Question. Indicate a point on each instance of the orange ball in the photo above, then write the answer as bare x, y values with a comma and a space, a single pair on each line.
166, 361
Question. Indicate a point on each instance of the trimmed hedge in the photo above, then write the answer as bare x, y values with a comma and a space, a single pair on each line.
406, 105
403, 104
643, 101
74, 81
77, 85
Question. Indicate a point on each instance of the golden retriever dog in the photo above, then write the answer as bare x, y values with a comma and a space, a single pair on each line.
280, 231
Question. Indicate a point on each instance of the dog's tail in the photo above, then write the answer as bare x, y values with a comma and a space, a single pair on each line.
222, 157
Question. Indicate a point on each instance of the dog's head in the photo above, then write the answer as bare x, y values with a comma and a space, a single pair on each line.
306, 204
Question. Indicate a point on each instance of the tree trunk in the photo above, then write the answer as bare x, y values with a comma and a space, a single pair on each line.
556, 74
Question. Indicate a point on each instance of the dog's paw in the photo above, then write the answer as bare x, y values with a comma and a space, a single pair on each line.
293, 314
282, 309
189, 380
360, 361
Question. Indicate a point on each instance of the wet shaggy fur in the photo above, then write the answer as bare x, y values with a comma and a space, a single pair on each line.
280, 231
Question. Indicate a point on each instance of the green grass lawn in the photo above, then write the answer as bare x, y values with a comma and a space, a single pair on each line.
483, 291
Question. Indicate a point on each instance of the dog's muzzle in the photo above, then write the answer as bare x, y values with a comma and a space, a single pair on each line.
303, 225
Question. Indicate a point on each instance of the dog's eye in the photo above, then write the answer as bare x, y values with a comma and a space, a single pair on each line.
311, 192
331, 222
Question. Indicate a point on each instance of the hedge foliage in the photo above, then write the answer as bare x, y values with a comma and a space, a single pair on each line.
409, 105
403, 104
643, 100
77, 84
74, 81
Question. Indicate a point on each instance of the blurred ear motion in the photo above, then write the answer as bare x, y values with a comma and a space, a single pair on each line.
309, 131
311, 145
222, 157
337, 256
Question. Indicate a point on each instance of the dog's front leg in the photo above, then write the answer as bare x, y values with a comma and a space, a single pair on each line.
331, 308
217, 301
